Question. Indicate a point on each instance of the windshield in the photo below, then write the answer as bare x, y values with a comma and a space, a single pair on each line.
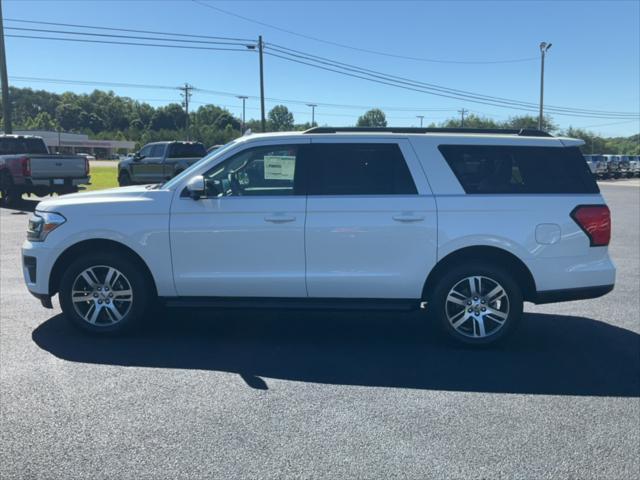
218, 151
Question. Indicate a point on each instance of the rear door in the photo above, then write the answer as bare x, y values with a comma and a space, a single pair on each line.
371, 220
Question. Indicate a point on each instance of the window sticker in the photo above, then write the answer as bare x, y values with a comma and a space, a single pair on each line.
279, 167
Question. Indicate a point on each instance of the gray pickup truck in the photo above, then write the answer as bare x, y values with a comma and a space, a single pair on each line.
26, 166
159, 161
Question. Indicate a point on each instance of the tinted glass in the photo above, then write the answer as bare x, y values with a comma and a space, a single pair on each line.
145, 151
506, 169
358, 169
187, 150
10, 146
255, 171
157, 151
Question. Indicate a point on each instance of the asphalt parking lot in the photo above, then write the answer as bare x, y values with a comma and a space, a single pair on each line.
246, 394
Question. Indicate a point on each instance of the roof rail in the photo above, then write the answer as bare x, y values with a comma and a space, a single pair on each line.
523, 132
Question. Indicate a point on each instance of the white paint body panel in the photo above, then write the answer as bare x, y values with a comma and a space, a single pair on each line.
335, 246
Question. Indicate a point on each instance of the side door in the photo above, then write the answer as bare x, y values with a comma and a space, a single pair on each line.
138, 168
153, 163
371, 227
245, 238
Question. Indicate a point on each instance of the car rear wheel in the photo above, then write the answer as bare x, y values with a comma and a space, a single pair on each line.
477, 304
105, 293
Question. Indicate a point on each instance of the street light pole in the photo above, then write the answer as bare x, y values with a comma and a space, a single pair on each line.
544, 46
243, 98
421, 117
313, 113
263, 122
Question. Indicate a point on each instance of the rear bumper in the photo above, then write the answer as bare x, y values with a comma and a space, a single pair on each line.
571, 294
50, 183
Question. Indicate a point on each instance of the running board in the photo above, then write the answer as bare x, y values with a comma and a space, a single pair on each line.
293, 303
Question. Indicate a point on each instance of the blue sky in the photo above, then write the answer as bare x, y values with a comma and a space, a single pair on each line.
594, 62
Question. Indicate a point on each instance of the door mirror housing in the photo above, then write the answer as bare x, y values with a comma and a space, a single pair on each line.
137, 157
195, 187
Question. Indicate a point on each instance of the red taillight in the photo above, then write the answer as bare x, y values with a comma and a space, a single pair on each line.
595, 221
25, 163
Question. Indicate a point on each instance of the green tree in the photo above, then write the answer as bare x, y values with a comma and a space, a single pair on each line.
42, 121
69, 116
280, 119
373, 118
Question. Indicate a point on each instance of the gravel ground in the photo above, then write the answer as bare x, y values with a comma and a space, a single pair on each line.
278, 394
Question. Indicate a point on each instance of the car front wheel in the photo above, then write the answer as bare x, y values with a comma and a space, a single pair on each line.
104, 293
477, 304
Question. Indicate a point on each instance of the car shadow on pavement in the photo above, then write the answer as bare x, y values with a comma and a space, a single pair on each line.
550, 354
21, 206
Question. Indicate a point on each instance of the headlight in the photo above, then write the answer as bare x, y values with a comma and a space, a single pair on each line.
41, 224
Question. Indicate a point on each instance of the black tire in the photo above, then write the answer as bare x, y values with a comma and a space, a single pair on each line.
124, 179
10, 196
106, 323
468, 332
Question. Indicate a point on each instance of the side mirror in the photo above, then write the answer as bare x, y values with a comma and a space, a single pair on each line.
195, 187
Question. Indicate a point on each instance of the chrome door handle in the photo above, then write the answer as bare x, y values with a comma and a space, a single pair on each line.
408, 218
279, 218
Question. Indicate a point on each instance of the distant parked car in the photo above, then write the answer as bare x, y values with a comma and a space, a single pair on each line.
88, 156
625, 168
26, 166
597, 165
159, 161
634, 165
613, 166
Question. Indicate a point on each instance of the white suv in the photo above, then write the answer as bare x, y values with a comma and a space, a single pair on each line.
468, 224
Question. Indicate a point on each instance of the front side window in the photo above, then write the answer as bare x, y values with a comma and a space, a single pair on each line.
157, 151
495, 169
256, 171
358, 169
145, 151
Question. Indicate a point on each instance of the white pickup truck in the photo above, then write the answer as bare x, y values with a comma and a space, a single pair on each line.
26, 166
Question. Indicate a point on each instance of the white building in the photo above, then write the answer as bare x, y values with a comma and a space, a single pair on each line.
79, 142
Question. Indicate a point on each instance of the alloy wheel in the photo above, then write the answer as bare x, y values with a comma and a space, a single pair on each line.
102, 295
477, 307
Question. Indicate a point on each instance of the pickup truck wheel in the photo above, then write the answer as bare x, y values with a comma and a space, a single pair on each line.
124, 179
477, 304
104, 293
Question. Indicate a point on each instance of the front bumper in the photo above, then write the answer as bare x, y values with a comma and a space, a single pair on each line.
36, 267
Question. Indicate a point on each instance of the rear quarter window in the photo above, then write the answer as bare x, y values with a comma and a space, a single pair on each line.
502, 169
187, 150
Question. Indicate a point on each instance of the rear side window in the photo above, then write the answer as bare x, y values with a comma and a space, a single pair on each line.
358, 169
187, 150
13, 145
506, 169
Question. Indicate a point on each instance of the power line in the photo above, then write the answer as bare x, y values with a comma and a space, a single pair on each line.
466, 94
134, 37
359, 49
82, 40
186, 35
391, 82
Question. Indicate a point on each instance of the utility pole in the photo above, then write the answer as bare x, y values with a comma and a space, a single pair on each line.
421, 117
462, 113
6, 104
243, 98
186, 94
313, 113
260, 49
544, 46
